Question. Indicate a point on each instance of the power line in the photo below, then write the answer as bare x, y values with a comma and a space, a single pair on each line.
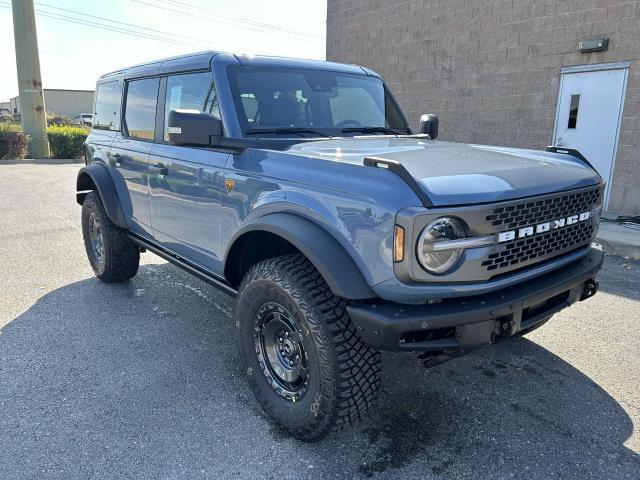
119, 26
124, 27
182, 4
269, 29
107, 27
122, 23
259, 26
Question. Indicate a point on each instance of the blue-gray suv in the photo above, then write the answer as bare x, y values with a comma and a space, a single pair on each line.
299, 187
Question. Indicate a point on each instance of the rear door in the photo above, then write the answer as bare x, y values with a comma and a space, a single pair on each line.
186, 198
129, 154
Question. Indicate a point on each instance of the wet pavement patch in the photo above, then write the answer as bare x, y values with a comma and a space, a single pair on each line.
397, 432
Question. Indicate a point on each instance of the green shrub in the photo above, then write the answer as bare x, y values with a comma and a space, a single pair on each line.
11, 127
13, 144
66, 141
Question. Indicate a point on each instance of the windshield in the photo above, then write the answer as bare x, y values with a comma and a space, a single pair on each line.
272, 101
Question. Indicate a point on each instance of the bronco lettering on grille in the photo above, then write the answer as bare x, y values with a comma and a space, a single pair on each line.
543, 227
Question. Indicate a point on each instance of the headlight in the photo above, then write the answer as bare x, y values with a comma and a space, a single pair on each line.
433, 257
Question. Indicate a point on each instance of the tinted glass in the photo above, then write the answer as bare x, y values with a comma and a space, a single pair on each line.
194, 91
140, 109
573, 111
268, 98
107, 111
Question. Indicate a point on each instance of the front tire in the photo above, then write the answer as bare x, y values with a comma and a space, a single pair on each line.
301, 355
112, 255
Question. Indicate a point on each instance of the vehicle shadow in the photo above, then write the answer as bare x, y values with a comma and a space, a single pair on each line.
142, 380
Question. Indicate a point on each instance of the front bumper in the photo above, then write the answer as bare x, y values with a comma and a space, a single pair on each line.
459, 325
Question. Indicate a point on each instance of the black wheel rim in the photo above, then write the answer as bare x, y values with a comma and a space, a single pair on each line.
280, 351
96, 238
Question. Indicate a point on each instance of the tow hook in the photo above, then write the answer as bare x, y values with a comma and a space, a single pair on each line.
589, 289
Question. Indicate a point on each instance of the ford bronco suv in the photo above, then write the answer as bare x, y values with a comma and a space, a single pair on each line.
298, 187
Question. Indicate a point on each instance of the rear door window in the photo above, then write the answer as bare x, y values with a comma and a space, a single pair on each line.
140, 108
194, 91
107, 110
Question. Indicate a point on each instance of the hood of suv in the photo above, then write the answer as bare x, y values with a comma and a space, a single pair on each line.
461, 174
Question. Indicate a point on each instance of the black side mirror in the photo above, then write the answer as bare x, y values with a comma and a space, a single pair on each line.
194, 128
429, 125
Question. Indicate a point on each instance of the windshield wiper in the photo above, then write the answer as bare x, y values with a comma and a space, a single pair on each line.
285, 130
374, 130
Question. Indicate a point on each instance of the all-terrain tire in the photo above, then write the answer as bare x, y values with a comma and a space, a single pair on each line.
117, 258
343, 372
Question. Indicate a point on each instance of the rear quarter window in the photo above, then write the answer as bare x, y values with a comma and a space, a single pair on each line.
107, 106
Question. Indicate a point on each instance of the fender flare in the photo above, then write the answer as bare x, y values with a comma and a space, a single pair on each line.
98, 175
338, 269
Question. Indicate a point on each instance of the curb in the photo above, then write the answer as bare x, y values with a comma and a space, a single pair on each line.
43, 161
619, 240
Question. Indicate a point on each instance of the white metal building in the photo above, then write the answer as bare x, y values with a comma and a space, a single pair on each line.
69, 103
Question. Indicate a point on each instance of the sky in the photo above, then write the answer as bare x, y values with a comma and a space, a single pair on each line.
73, 55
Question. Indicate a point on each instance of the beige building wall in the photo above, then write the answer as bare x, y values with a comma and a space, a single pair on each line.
69, 103
491, 68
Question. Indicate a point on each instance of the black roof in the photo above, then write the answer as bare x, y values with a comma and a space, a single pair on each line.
192, 61
202, 61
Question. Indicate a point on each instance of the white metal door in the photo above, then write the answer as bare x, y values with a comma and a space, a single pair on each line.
588, 116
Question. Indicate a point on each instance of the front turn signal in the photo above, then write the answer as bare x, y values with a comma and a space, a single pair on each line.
398, 244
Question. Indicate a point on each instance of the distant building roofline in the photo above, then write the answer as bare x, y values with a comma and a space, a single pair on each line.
59, 90
66, 90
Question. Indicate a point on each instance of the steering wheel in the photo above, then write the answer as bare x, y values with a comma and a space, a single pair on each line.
348, 123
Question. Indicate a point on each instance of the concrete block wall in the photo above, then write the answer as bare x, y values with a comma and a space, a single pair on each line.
491, 68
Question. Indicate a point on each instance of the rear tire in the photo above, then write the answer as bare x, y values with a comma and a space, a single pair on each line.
112, 255
301, 355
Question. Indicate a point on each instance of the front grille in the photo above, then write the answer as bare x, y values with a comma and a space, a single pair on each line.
533, 212
543, 245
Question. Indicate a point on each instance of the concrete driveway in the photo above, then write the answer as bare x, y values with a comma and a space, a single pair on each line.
142, 380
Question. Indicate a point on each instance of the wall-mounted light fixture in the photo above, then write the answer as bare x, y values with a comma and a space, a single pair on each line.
599, 44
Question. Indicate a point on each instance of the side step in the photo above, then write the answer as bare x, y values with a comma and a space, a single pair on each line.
185, 265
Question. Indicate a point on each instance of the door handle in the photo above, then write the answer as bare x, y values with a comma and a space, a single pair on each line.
159, 170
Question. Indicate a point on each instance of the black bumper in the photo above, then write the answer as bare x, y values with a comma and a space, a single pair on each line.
457, 326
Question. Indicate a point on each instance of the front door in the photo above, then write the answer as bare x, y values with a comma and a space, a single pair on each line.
186, 198
588, 116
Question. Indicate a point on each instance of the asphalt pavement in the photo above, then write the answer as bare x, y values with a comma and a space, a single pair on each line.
142, 380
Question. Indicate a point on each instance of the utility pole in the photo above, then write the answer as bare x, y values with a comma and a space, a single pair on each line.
34, 122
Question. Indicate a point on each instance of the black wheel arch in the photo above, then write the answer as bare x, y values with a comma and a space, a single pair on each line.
277, 234
95, 177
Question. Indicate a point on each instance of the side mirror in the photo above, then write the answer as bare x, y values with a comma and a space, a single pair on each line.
429, 125
193, 128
